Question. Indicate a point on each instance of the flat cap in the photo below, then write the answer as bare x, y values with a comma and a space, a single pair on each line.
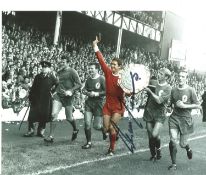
45, 64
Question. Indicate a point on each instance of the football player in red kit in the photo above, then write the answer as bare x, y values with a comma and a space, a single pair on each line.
113, 108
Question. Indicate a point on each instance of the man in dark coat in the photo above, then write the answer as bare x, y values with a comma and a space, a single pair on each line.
40, 97
204, 106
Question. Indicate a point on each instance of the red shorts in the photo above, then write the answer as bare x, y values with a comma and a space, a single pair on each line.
110, 109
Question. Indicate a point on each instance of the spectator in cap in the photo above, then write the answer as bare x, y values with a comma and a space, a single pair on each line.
40, 97
204, 106
45, 64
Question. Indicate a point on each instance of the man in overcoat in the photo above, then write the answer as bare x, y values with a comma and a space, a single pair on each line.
204, 106
40, 97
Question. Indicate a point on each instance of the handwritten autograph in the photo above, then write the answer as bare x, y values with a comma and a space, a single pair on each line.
135, 77
127, 138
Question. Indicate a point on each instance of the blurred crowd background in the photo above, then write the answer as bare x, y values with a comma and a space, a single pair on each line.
24, 47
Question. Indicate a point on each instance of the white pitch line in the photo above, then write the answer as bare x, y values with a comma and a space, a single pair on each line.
51, 170
198, 137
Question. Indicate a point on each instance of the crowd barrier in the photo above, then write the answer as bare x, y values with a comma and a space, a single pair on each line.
8, 115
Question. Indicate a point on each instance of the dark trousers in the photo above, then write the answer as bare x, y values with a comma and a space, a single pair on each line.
41, 125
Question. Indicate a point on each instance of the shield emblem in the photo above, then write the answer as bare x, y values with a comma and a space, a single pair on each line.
134, 78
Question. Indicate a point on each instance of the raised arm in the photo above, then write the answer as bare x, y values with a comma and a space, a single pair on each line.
100, 57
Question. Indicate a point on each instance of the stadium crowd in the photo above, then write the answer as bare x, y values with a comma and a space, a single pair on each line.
24, 47
152, 18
